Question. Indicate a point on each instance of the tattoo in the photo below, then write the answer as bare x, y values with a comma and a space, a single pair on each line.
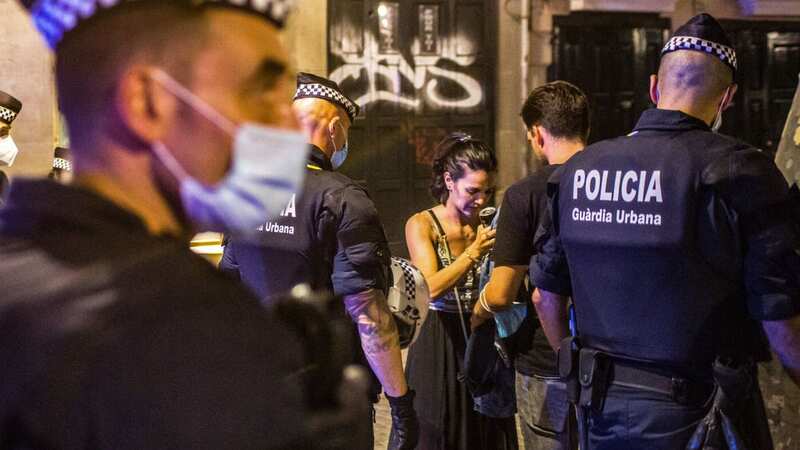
375, 322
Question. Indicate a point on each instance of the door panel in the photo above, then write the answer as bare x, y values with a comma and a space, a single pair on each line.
610, 57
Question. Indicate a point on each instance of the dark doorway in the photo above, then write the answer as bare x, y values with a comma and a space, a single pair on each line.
420, 69
610, 56
769, 63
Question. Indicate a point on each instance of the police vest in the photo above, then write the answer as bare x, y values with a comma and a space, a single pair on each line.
653, 258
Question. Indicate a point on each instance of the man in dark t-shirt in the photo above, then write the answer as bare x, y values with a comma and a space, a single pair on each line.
556, 117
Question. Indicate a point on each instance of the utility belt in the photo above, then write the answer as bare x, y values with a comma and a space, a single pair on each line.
589, 373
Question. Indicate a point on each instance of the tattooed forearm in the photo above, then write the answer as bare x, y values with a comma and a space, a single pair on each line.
375, 323
379, 338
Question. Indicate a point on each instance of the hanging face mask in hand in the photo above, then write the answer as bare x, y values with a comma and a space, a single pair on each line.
339, 155
268, 168
8, 151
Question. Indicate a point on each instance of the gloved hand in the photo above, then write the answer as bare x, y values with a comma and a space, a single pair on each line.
405, 426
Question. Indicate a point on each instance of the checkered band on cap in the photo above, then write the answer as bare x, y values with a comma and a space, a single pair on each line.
317, 90
63, 164
7, 115
55, 18
726, 54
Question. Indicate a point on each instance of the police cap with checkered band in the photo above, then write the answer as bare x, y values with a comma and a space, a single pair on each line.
62, 159
56, 18
313, 86
9, 108
702, 33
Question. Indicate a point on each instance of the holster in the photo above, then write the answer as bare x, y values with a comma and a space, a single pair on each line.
594, 371
568, 367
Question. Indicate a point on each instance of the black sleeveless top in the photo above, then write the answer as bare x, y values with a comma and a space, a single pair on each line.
467, 288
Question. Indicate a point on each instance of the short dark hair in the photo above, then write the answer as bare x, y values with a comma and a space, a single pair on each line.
91, 58
559, 107
703, 76
454, 154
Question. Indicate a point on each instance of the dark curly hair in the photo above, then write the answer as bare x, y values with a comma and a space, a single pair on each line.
456, 153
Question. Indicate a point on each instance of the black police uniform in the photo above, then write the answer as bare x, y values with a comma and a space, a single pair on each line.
112, 338
672, 241
329, 237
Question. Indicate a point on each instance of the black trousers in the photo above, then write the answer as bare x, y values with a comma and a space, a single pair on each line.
638, 419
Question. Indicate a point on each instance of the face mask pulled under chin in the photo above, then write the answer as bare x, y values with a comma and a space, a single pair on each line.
268, 167
8, 151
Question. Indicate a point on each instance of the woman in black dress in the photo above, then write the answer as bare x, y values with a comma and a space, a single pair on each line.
445, 243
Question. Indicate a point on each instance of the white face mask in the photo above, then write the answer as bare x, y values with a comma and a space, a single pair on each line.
718, 120
269, 166
8, 151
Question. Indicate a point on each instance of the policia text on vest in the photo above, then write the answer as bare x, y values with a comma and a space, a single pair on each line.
630, 188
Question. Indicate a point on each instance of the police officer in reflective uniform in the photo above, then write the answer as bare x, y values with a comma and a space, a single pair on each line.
330, 237
673, 242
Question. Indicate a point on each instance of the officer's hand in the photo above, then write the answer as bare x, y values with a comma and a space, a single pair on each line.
484, 240
405, 426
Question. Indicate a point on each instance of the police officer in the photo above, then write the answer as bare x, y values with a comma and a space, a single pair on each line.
113, 334
672, 242
9, 110
330, 237
62, 165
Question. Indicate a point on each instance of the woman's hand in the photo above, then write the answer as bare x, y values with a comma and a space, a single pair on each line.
484, 241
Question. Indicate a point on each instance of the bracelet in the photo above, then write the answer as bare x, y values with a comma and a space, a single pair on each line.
484, 304
472, 258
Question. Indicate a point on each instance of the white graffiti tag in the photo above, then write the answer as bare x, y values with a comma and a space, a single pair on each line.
425, 76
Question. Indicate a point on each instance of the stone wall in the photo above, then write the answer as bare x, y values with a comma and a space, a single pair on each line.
306, 37
26, 73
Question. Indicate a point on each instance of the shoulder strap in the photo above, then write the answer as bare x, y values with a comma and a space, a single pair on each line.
447, 258
439, 226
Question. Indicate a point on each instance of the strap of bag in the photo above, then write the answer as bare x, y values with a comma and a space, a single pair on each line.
449, 258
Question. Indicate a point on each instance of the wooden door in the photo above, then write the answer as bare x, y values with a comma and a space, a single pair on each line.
610, 56
419, 69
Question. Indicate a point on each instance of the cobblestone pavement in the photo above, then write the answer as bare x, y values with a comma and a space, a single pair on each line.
383, 423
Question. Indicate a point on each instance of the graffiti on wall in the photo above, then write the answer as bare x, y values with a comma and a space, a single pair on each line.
434, 71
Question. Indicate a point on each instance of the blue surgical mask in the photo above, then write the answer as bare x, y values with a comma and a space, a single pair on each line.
268, 168
339, 155
338, 158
